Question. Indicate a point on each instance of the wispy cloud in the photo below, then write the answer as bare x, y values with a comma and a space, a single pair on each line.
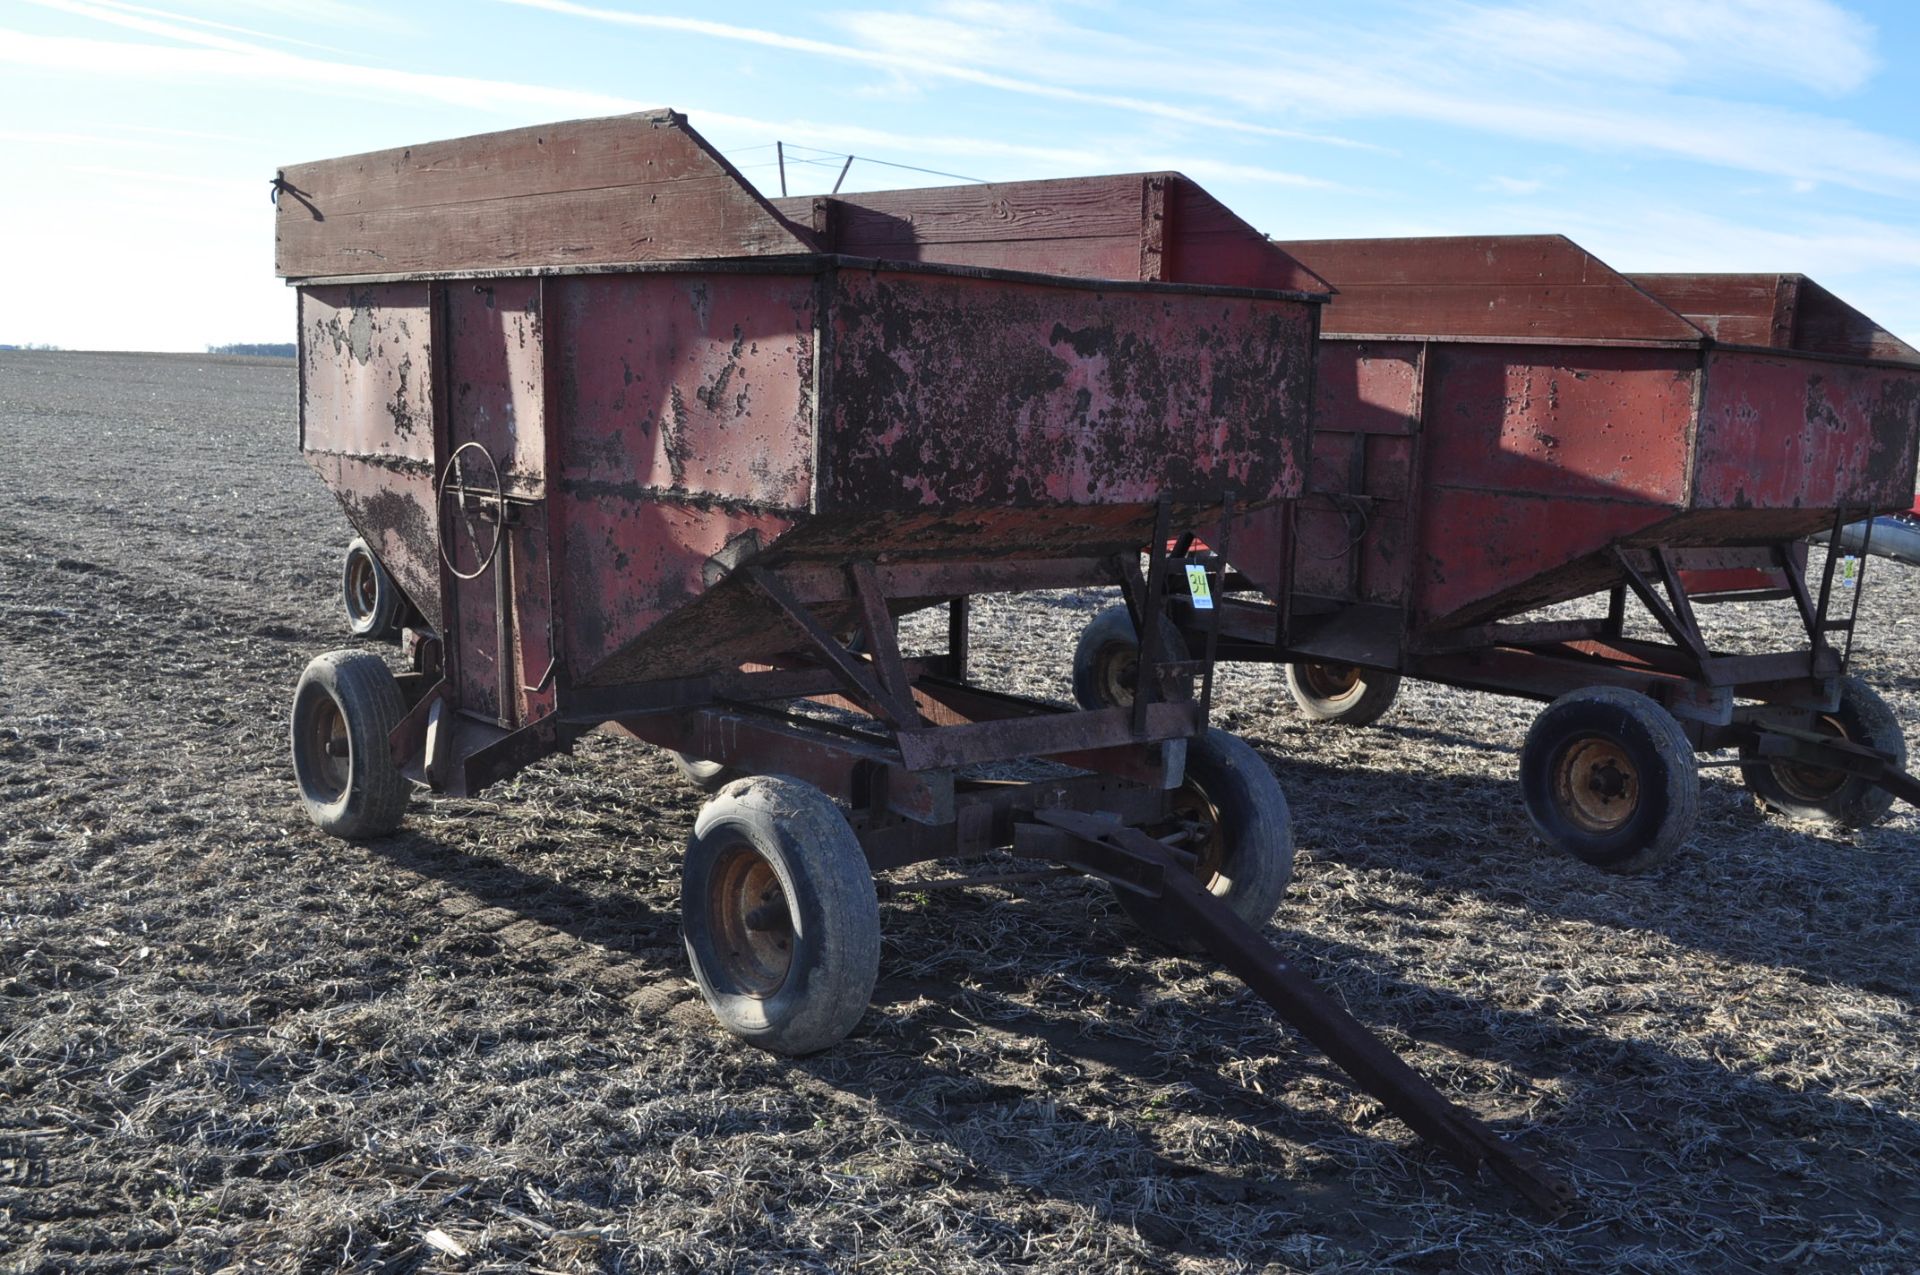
900, 61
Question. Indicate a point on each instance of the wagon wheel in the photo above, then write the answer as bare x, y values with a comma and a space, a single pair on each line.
1343, 694
372, 599
344, 710
1230, 813
1609, 777
780, 916
1817, 794
1106, 662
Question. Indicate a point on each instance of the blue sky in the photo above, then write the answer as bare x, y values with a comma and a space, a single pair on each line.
138, 139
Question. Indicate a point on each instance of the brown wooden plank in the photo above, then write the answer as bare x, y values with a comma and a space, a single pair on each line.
1123, 226
1778, 311
1526, 287
638, 187
1211, 244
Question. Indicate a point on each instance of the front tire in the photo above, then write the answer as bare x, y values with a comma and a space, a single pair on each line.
1609, 777
1818, 795
1235, 818
1341, 694
1106, 661
344, 710
780, 916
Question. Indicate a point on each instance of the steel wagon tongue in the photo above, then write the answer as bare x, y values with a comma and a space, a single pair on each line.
632, 447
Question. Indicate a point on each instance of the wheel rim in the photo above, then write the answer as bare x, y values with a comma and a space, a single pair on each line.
1813, 784
328, 749
1193, 825
1119, 673
363, 585
1597, 784
751, 923
1331, 681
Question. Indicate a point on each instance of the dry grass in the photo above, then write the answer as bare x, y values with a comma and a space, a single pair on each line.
228, 1042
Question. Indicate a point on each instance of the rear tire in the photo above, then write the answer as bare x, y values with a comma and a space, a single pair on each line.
1815, 794
1106, 662
780, 916
344, 709
1239, 823
1341, 694
1609, 777
372, 599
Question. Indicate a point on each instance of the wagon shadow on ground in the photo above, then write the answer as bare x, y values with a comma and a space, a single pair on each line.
909, 1060
1746, 886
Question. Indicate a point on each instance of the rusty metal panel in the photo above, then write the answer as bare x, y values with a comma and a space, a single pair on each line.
697, 384
366, 421
955, 391
1780, 432
1585, 423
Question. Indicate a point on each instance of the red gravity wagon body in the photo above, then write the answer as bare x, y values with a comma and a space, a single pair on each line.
627, 445
1504, 424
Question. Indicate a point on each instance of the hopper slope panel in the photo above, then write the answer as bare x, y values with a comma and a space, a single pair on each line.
949, 392
366, 421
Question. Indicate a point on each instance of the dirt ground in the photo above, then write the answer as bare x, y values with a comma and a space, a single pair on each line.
227, 1041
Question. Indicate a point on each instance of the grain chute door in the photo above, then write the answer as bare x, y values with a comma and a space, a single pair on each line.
492, 501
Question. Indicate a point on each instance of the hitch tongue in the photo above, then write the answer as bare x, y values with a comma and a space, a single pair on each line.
1117, 852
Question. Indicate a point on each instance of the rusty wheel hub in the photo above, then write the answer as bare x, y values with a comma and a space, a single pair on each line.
326, 743
1813, 784
1193, 825
1330, 681
363, 586
749, 917
1119, 674
1597, 784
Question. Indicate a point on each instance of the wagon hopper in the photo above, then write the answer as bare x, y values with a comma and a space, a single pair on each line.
633, 448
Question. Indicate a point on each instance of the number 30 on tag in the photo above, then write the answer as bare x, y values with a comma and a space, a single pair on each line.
1197, 587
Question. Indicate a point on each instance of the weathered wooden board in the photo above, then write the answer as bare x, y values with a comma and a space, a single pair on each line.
1525, 287
1779, 311
626, 188
1152, 226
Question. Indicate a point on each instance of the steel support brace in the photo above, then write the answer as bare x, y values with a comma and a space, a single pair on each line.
1138, 862
1775, 742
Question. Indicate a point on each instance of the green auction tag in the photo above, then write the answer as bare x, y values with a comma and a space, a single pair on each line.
1197, 587
1849, 571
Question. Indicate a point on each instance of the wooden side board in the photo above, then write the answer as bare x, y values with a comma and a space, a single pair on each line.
1780, 311
1521, 287
1152, 226
625, 188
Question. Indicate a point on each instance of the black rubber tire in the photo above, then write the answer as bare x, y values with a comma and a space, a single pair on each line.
373, 601
706, 776
1107, 658
351, 699
1253, 863
1341, 694
1815, 795
1607, 735
808, 995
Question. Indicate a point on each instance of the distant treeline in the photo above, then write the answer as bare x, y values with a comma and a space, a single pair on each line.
28, 346
280, 350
